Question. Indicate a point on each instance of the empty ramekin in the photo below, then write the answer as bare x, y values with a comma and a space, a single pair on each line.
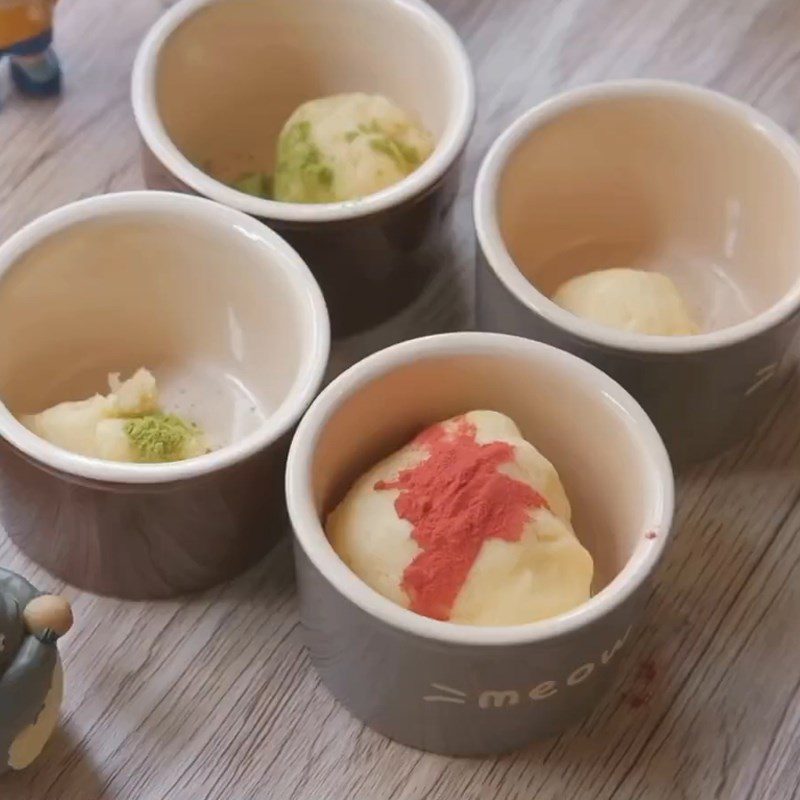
215, 79
235, 329
462, 689
657, 175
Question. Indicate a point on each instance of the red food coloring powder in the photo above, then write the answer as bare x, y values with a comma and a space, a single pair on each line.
456, 499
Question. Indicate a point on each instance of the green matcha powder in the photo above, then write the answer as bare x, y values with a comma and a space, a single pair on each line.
160, 437
299, 159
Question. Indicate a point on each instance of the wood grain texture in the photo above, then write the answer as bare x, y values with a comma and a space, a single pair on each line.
212, 697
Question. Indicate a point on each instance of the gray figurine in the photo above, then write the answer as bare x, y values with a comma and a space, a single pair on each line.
31, 680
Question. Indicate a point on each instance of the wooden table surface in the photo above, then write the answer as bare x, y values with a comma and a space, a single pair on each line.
213, 696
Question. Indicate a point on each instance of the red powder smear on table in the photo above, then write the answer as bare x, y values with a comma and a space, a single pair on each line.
643, 680
647, 670
456, 499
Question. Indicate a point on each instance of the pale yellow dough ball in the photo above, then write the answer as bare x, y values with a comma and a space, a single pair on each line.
629, 300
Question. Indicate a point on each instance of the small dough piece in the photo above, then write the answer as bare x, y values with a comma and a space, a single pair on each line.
125, 425
72, 425
111, 441
518, 576
628, 299
137, 395
346, 146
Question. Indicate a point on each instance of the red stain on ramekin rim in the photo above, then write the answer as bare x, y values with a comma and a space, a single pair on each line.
651, 535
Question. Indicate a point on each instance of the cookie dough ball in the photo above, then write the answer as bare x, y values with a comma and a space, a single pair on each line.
628, 299
467, 523
345, 147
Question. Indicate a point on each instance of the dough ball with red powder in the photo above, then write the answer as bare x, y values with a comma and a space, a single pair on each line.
467, 523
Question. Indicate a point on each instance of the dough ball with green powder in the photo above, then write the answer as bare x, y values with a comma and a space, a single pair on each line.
127, 424
149, 439
346, 146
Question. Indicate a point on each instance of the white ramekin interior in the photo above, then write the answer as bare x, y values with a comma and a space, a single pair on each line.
226, 74
649, 174
223, 311
611, 460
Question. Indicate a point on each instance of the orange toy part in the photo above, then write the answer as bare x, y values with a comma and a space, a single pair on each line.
24, 19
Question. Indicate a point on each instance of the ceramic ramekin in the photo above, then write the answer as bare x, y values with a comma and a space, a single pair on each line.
215, 79
234, 327
459, 689
656, 175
